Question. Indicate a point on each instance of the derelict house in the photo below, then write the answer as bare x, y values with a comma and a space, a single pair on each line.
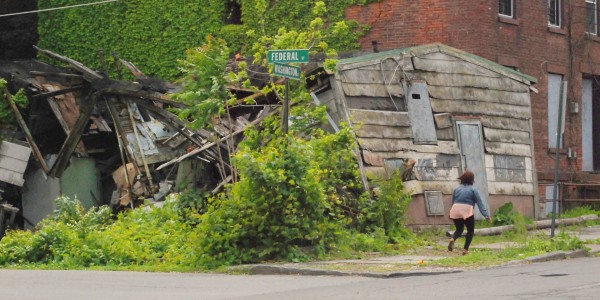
433, 111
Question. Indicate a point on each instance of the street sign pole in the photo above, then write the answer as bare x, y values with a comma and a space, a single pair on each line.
286, 105
279, 58
559, 133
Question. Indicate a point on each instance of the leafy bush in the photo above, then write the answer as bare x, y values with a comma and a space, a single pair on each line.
388, 210
73, 238
504, 215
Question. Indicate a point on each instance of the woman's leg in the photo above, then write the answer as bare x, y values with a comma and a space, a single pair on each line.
460, 226
470, 223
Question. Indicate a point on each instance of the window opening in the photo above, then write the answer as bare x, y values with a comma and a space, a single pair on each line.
233, 13
507, 8
554, 13
591, 16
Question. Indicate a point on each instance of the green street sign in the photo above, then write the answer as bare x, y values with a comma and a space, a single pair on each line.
287, 71
288, 56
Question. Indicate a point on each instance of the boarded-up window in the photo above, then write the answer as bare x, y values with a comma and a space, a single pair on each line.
420, 114
510, 168
434, 203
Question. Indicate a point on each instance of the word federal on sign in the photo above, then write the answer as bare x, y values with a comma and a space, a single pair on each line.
287, 71
288, 56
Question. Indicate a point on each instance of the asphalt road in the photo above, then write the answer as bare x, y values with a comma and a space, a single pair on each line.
566, 279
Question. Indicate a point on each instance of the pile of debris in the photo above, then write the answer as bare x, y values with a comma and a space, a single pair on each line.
122, 143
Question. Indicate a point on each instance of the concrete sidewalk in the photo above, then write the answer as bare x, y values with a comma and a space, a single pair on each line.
415, 265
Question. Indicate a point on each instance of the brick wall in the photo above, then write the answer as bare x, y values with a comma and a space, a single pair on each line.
525, 42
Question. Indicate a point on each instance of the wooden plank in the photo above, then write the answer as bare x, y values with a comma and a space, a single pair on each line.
15, 151
478, 94
469, 58
415, 187
13, 164
480, 108
379, 131
494, 188
69, 145
375, 172
511, 188
372, 158
372, 90
506, 136
397, 145
443, 120
373, 103
446, 134
427, 173
452, 66
474, 81
23, 125
11, 177
379, 117
389, 75
506, 123
508, 149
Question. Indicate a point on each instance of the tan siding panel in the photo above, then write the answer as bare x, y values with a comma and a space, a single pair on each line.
478, 94
396, 145
474, 81
511, 188
446, 134
379, 131
451, 65
506, 136
480, 108
372, 90
375, 117
505, 123
443, 120
508, 149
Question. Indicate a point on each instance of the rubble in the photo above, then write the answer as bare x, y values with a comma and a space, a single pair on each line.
124, 127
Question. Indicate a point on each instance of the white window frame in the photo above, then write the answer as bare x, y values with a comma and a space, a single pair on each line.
557, 13
595, 4
512, 9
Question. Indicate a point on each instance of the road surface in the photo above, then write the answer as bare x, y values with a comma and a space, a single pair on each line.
566, 279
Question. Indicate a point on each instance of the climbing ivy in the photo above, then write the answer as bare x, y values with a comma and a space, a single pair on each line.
154, 34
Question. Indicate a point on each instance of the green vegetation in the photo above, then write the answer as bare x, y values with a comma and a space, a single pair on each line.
154, 34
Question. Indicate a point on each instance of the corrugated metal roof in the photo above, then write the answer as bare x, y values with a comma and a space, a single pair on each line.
437, 47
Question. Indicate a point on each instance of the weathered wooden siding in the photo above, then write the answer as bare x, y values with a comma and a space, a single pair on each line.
375, 97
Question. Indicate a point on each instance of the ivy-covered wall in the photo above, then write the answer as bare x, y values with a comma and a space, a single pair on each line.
154, 34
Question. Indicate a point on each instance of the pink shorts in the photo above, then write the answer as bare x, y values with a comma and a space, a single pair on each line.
461, 211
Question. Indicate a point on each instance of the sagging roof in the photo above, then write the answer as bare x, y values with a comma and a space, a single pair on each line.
417, 51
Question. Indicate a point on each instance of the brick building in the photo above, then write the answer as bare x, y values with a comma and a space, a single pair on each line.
553, 41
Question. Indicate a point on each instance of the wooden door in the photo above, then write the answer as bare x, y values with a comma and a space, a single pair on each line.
473, 158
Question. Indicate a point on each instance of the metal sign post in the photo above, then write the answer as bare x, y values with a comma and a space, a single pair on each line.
559, 134
278, 58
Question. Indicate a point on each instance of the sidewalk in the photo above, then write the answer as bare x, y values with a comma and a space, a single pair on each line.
412, 265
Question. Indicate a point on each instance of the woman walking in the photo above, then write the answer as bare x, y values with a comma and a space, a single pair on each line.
464, 198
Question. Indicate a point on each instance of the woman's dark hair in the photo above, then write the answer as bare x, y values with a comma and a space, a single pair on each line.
467, 178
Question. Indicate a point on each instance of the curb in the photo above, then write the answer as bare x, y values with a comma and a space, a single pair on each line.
282, 270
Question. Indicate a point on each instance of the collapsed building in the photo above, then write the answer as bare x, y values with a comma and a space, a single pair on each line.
106, 141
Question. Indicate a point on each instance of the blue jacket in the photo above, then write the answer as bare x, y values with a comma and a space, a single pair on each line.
468, 194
